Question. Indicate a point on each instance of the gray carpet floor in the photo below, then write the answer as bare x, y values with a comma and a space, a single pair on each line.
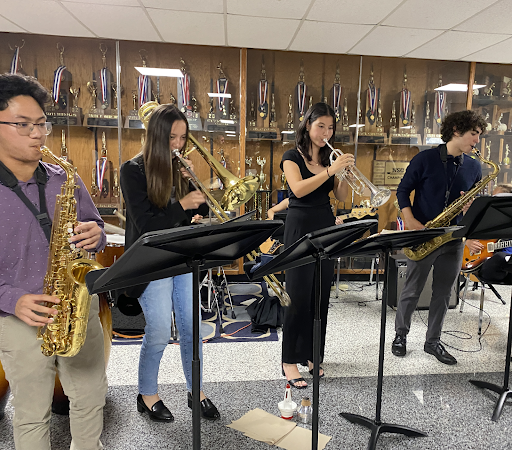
418, 391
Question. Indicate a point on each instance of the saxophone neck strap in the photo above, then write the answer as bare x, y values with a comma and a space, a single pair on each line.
8, 179
443, 151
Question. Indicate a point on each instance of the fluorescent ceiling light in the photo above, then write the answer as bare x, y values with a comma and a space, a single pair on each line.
155, 71
226, 121
217, 94
354, 125
458, 87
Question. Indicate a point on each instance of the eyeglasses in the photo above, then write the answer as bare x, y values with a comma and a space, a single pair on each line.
26, 128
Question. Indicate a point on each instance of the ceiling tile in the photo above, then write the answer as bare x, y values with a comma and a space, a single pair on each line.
115, 22
106, 2
9, 27
189, 27
285, 9
260, 32
485, 21
214, 6
350, 11
498, 53
312, 37
454, 45
390, 41
435, 14
43, 17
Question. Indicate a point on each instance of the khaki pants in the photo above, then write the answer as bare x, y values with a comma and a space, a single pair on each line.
31, 376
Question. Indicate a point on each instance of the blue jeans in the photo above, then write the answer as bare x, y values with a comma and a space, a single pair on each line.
157, 303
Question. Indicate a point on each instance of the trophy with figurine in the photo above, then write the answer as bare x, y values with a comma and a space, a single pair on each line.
185, 103
372, 135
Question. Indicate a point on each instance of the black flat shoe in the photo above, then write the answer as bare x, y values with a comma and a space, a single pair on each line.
320, 376
208, 409
157, 413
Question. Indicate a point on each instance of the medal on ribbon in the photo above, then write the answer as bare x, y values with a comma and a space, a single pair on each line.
440, 106
101, 167
184, 83
301, 99
405, 98
15, 61
263, 104
104, 87
57, 80
336, 100
372, 102
222, 88
143, 88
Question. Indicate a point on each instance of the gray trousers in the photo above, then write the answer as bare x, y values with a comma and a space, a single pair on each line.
446, 261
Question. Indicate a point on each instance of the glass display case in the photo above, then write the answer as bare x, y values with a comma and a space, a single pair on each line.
492, 98
244, 107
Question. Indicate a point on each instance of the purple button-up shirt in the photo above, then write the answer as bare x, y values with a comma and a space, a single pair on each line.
23, 245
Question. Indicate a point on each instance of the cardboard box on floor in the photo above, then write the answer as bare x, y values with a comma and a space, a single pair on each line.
265, 427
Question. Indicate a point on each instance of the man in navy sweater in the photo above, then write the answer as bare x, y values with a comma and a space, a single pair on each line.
437, 176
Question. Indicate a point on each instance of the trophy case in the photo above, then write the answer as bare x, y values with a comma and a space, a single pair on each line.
492, 98
244, 107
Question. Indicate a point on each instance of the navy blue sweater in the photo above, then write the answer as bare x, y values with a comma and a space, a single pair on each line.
427, 177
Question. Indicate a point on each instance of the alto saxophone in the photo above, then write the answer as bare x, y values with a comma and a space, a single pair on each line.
450, 212
65, 275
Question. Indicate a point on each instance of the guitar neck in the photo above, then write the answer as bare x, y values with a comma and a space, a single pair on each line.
502, 244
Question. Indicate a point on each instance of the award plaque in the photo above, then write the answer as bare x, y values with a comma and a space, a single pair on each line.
388, 173
218, 116
343, 134
133, 120
100, 89
373, 133
60, 112
185, 102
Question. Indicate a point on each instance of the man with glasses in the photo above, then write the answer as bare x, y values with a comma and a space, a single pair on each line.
28, 189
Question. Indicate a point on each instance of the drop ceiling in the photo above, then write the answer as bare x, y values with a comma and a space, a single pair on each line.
458, 30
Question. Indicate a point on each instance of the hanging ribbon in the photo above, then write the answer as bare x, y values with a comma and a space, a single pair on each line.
101, 167
336, 100
57, 79
185, 91
222, 88
440, 106
15, 61
104, 85
143, 88
263, 92
301, 98
372, 103
406, 105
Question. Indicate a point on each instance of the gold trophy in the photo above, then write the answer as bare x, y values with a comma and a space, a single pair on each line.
273, 121
252, 114
378, 122
94, 186
506, 160
392, 122
64, 155
76, 111
116, 191
132, 119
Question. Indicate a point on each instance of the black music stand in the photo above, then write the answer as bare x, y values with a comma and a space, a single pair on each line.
313, 248
385, 243
177, 251
491, 218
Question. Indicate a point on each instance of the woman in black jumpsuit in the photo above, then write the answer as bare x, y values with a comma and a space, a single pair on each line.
310, 180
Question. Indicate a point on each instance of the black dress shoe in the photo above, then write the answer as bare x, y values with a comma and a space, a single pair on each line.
158, 412
440, 353
398, 347
208, 409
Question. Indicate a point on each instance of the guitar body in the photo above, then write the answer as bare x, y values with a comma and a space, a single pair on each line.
472, 261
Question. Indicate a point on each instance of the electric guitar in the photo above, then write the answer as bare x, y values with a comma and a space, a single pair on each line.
472, 261
271, 245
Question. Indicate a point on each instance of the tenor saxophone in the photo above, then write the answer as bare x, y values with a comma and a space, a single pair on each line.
65, 275
450, 212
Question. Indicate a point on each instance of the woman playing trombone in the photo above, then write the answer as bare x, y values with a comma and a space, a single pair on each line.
310, 180
157, 197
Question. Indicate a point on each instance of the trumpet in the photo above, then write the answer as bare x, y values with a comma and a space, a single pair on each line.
358, 182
